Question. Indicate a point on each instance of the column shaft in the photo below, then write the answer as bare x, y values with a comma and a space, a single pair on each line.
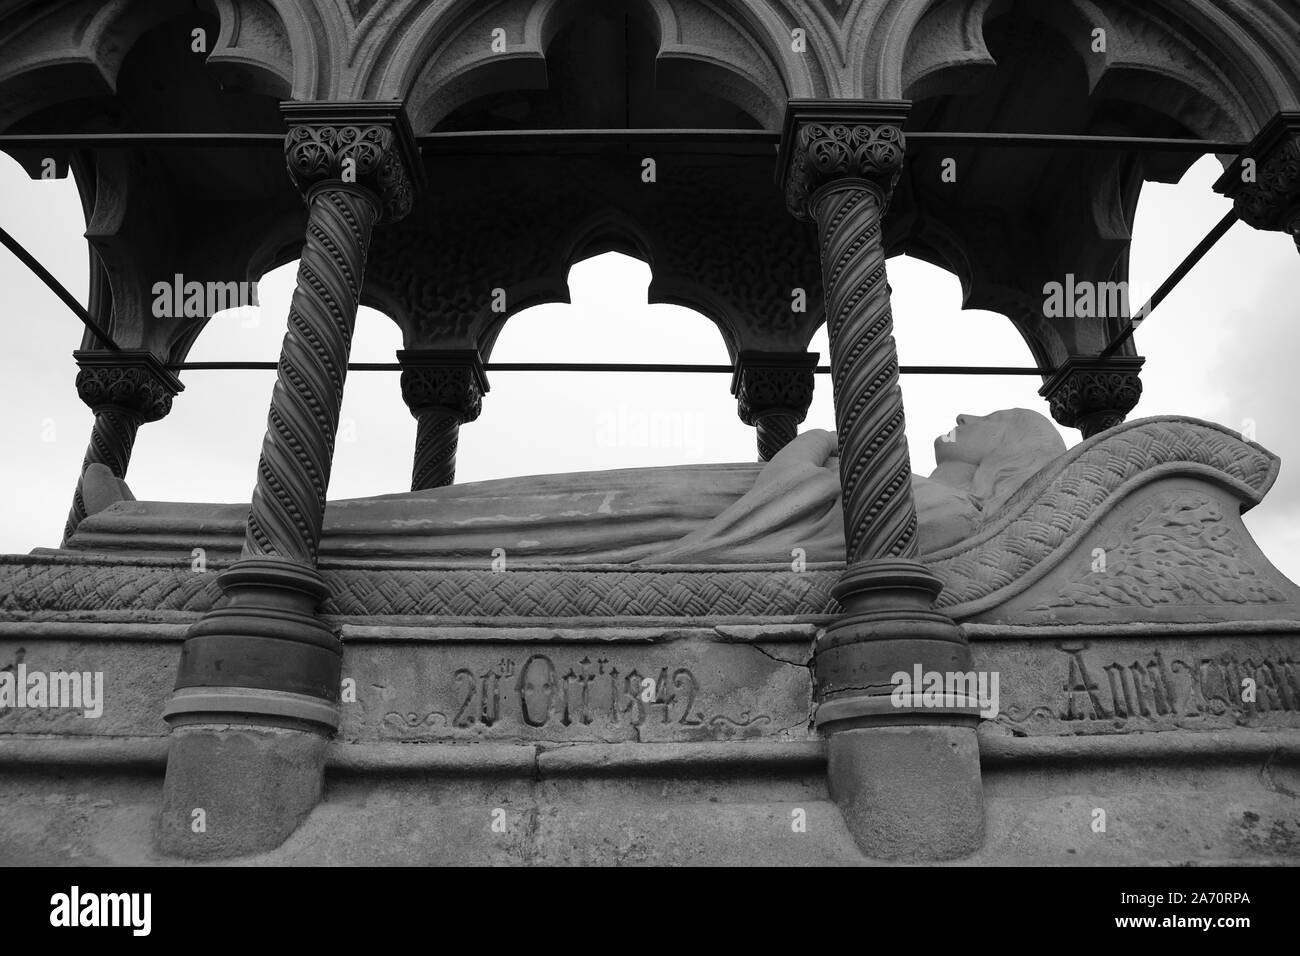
124, 389
298, 450
875, 469
905, 773
437, 433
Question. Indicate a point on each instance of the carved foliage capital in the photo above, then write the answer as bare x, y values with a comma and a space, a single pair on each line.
762, 385
1093, 396
370, 145
826, 141
1270, 198
456, 383
132, 380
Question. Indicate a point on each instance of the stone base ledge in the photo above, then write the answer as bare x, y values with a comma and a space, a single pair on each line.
149, 754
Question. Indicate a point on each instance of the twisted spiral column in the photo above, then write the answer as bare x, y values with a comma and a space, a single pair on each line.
906, 777
437, 435
774, 431
298, 450
443, 389
125, 390
263, 650
262, 661
875, 468
112, 438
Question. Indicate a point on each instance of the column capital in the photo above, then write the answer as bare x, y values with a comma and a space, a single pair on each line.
1093, 394
443, 378
133, 379
826, 140
773, 381
368, 144
1271, 199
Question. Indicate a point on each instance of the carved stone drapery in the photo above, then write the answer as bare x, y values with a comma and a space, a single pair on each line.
264, 651
904, 773
443, 389
773, 391
124, 389
1264, 182
1094, 394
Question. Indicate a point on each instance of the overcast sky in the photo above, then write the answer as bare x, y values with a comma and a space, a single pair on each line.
1222, 347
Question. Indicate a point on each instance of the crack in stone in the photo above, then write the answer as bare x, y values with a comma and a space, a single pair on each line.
807, 665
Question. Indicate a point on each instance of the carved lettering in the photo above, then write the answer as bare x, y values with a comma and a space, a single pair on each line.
1153, 693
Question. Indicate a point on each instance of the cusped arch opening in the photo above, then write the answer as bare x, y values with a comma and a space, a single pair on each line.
561, 421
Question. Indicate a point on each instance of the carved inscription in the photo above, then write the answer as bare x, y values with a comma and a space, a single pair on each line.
590, 697
591, 691
1157, 691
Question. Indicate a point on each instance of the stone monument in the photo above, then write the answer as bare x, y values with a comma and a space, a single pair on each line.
918, 669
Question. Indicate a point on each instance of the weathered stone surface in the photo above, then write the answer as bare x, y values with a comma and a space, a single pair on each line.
578, 691
1096, 684
236, 789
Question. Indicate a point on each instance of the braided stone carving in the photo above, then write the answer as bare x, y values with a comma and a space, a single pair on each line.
124, 390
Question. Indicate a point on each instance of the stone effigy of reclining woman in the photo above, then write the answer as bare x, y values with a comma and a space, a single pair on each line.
750, 513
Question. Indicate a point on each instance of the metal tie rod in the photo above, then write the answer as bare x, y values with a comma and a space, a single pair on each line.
31, 262
452, 141
611, 367
1196, 255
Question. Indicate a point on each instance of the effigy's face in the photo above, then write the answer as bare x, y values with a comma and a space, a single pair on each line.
974, 439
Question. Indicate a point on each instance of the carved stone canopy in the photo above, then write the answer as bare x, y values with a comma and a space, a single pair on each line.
826, 140
1266, 191
132, 379
1093, 394
370, 144
443, 378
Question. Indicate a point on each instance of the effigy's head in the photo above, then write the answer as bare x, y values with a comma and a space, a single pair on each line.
1006, 448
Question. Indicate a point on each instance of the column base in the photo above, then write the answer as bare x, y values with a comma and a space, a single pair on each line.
256, 699
909, 793
235, 789
903, 758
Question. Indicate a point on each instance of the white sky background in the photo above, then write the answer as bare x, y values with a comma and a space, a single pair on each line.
1221, 347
